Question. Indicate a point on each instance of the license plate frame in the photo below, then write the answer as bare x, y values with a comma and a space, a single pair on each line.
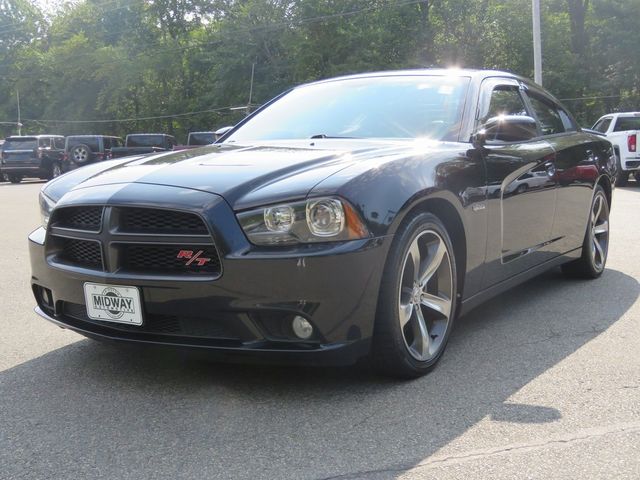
113, 303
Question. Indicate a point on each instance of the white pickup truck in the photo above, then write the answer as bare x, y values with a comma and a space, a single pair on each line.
622, 130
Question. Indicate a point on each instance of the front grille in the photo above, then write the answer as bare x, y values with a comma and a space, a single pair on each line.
134, 240
85, 253
171, 259
149, 220
79, 218
163, 324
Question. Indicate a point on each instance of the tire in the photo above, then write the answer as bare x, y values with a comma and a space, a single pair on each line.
80, 154
56, 170
15, 178
621, 176
595, 247
414, 319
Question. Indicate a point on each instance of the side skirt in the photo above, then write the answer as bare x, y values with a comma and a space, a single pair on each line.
472, 302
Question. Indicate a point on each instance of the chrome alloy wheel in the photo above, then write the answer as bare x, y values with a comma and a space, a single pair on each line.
80, 154
425, 296
599, 231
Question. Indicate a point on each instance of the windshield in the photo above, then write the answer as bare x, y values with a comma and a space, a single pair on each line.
380, 107
20, 144
201, 138
145, 141
627, 123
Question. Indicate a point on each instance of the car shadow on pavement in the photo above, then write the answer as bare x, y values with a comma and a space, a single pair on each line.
93, 410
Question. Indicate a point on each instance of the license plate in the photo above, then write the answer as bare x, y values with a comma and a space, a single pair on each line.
113, 303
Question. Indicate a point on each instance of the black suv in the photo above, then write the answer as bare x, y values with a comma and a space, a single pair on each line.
84, 149
38, 156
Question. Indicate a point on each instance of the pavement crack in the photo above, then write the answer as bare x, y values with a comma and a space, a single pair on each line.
580, 435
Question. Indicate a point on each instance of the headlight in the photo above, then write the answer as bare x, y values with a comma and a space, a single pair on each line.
313, 220
46, 207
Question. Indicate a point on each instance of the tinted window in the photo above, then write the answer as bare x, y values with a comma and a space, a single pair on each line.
548, 116
44, 142
627, 123
92, 142
106, 143
377, 107
201, 138
602, 125
58, 143
505, 100
145, 141
20, 144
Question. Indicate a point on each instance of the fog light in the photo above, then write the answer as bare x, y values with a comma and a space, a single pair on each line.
301, 327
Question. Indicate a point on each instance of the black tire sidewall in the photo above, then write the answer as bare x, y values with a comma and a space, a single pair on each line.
389, 350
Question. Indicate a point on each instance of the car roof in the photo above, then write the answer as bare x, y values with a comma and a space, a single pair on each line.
454, 72
16, 137
90, 136
149, 134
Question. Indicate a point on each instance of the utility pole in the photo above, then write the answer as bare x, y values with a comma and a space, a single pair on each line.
19, 122
253, 69
537, 43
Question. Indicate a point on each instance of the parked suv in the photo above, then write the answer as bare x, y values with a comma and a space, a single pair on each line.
38, 156
84, 149
143, 143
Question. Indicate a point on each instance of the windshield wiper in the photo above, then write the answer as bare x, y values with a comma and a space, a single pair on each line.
323, 135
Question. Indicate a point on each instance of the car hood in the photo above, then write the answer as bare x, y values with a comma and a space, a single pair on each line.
247, 175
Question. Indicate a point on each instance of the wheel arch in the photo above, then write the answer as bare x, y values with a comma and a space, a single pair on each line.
449, 215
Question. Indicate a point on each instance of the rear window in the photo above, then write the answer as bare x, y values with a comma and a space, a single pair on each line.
627, 123
20, 144
204, 138
92, 142
146, 141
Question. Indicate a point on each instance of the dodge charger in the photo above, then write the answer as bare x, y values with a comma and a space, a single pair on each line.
350, 218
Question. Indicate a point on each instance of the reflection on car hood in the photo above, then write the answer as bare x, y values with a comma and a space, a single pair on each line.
247, 176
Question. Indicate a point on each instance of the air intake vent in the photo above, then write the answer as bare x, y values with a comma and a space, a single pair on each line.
153, 221
171, 259
79, 218
81, 252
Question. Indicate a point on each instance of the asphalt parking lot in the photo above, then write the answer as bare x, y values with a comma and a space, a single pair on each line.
541, 382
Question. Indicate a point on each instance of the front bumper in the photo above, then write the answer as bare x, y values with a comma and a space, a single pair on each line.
244, 314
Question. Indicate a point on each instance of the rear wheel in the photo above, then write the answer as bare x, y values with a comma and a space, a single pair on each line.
595, 247
621, 176
416, 306
15, 178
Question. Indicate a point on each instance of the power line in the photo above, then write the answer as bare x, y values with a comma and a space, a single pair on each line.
120, 120
589, 98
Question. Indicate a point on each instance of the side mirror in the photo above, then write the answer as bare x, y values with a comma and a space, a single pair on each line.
222, 131
506, 128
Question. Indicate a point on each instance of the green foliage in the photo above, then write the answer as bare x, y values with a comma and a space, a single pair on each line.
124, 60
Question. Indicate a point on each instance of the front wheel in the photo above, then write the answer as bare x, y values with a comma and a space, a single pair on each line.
416, 306
595, 247
15, 178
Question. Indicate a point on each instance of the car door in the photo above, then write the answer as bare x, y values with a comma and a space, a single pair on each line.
521, 190
576, 163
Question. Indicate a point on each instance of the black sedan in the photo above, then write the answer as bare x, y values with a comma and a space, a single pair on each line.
346, 218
